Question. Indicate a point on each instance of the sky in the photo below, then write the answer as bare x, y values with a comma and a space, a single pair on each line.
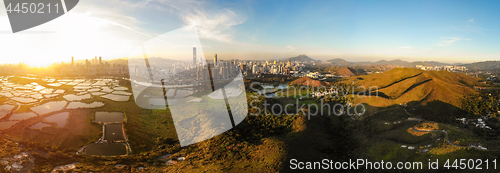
446, 31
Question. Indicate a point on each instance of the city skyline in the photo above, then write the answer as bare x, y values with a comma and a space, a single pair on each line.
445, 31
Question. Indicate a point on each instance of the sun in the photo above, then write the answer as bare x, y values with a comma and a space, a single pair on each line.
39, 63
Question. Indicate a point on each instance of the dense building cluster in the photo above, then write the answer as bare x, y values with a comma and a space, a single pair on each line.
184, 72
256, 68
92, 67
443, 67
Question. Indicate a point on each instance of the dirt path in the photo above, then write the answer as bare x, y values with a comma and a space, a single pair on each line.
446, 137
9, 138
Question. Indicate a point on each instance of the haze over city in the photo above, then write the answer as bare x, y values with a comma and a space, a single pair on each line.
445, 31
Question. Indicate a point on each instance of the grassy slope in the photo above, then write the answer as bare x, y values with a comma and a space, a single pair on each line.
346, 72
308, 82
403, 85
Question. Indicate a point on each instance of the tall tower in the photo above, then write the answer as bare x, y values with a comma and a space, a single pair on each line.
215, 58
194, 55
72, 61
100, 60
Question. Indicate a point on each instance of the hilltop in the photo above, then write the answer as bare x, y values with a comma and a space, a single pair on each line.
347, 72
300, 58
339, 62
409, 85
307, 81
396, 62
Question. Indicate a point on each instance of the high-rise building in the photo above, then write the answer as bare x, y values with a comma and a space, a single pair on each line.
215, 58
254, 69
72, 61
100, 60
194, 55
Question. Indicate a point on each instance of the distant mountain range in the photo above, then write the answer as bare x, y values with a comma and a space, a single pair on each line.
339, 62
300, 58
342, 62
396, 62
487, 65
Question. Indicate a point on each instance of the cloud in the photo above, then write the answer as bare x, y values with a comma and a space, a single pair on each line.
406, 47
214, 26
213, 22
290, 48
470, 26
446, 41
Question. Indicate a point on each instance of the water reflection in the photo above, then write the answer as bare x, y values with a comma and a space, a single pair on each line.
121, 88
3, 113
98, 93
59, 118
109, 117
49, 107
39, 125
24, 100
7, 124
6, 107
81, 105
72, 97
118, 98
22, 116
122, 93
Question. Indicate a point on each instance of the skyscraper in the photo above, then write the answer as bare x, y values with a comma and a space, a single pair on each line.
100, 60
72, 61
215, 58
194, 55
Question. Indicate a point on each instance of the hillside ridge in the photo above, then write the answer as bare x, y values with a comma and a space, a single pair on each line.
403, 85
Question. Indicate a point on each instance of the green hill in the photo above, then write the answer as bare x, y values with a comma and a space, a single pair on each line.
487, 65
396, 62
405, 85
306, 81
428, 63
347, 72
339, 62
300, 58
